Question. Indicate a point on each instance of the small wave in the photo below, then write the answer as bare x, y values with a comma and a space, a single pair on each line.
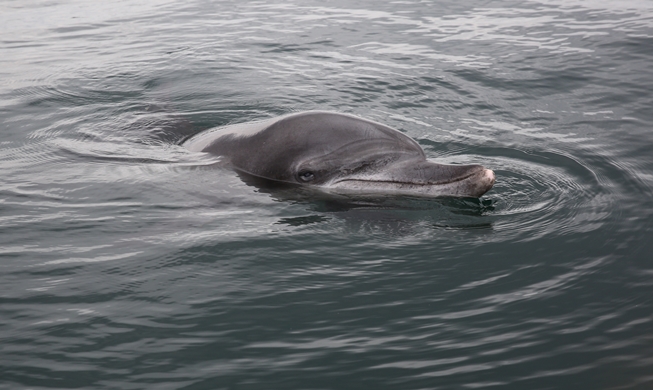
541, 193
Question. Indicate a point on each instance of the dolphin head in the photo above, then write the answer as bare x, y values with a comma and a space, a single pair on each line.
343, 154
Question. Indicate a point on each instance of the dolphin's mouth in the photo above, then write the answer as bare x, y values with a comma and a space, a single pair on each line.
429, 183
474, 183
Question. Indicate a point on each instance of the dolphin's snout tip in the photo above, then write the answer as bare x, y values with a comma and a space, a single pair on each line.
490, 176
488, 179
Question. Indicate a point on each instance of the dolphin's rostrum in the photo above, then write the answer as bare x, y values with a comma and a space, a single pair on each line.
339, 153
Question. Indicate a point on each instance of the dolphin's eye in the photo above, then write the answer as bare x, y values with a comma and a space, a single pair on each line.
306, 176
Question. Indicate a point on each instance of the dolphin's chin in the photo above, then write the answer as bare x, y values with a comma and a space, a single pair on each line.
472, 186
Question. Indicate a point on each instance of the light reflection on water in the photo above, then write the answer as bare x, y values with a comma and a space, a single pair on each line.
130, 262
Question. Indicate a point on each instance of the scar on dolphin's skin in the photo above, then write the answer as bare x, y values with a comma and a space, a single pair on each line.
339, 153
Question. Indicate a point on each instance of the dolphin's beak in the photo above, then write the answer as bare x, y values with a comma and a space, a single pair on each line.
421, 178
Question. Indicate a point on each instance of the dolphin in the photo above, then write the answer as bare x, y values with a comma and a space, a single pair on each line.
341, 154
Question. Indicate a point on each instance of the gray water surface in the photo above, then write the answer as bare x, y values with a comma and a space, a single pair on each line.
128, 262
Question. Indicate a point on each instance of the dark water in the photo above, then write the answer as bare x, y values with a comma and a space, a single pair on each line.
127, 262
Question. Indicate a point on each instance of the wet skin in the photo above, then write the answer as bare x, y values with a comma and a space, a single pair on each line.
341, 154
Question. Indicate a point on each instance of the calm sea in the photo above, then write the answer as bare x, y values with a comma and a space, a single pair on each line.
127, 262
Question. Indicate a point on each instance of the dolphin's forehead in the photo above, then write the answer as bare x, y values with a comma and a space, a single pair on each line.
322, 132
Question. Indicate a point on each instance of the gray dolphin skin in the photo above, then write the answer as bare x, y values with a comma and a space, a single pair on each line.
340, 154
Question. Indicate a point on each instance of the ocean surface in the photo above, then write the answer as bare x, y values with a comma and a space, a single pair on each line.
128, 262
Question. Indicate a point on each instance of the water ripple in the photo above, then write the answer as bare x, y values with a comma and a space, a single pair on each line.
129, 262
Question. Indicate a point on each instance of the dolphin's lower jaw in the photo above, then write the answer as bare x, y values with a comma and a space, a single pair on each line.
473, 186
